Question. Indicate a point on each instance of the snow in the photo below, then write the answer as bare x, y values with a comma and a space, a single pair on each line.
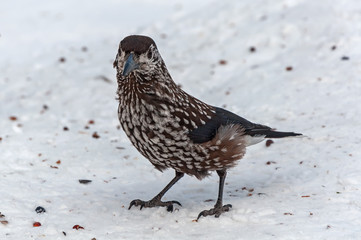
309, 189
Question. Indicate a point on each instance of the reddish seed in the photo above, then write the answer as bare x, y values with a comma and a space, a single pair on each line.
77, 227
36, 224
13, 118
58, 162
287, 213
4, 222
65, 128
270, 162
95, 135
289, 68
62, 59
269, 142
222, 62
91, 122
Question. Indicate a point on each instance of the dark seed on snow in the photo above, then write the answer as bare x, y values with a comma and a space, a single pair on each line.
84, 181
40, 209
269, 142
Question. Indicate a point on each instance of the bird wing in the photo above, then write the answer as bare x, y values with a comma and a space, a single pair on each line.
222, 117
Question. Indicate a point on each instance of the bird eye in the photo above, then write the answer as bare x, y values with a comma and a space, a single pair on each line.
150, 54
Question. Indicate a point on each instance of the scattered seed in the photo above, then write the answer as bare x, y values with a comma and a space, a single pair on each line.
252, 49
287, 213
4, 222
84, 181
58, 162
65, 128
40, 209
222, 62
77, 227
305, 196
95, 135
36, 224
62, 59
345, 58
13, 118
270, 162
64, 233
91, 122
53, 166
269, 142
333, 48
289, 68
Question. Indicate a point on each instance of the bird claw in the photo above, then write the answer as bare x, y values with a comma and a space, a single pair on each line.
216, 211
153, 203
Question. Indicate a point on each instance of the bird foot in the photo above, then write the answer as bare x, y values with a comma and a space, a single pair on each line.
155, 202
216, 211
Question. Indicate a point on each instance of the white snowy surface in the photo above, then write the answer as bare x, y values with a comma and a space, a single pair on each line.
310, 189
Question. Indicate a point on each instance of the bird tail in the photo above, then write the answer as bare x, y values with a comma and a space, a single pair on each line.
269, 133
275, 134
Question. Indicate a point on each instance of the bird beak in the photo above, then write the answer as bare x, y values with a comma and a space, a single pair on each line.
129, 65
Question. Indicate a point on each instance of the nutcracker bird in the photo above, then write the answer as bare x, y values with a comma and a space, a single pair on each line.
173, 129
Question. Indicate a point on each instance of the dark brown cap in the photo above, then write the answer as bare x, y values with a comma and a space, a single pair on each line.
136, 43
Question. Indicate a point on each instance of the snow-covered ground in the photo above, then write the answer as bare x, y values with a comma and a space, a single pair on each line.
291, 64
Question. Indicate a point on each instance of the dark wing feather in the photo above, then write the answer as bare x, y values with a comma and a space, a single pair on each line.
207, 131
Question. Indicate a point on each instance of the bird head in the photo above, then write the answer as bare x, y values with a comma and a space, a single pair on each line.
137, 55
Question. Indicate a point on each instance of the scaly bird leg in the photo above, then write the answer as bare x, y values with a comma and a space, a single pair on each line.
156, 201
218, 208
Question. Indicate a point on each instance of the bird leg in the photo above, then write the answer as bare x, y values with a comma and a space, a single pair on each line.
156, 201
218, 208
